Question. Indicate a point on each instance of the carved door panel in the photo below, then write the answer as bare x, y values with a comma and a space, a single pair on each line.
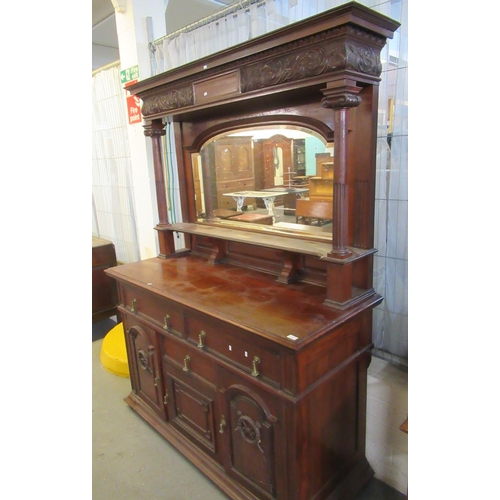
249, 439
144, 364
191, 408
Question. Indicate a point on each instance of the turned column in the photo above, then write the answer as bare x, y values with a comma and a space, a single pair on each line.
340, 96
156, 131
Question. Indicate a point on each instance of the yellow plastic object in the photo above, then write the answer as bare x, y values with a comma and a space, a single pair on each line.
114, 353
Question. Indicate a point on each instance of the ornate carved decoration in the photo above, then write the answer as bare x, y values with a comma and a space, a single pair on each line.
154, 132
341, 100
338, 49
155, 129
326, 57
172, 99
142, 357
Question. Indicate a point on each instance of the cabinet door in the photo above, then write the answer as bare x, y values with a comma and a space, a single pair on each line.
191, 408
144, 364
249, 437
233, 159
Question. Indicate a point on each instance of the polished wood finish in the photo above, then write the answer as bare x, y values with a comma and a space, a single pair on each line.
249, 348
181, 315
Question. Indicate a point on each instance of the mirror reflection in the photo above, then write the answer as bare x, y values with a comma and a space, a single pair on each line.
275, 178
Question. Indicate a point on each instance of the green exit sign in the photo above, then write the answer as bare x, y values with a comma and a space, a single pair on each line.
129, 74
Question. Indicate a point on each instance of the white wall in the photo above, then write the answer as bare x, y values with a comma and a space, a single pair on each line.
133, 42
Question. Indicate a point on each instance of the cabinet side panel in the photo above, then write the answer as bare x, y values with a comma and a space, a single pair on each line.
328, 434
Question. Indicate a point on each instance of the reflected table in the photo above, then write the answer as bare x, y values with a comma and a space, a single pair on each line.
268, 196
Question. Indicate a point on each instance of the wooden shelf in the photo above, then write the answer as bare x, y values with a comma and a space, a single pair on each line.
283, 242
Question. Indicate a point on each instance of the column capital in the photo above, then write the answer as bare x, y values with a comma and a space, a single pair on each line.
154, 129
341, 94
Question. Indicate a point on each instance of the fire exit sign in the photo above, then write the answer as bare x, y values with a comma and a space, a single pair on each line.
129, 74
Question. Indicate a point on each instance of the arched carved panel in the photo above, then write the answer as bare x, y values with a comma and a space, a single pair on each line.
144, 357
252, 439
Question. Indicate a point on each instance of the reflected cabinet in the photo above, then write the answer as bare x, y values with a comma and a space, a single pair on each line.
248, 347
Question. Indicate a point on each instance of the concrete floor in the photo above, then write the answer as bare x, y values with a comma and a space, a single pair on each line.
131, 461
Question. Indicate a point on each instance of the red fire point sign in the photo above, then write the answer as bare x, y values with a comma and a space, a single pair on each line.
133, 106
134, 109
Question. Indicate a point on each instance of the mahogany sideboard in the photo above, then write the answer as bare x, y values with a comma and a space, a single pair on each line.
248, 348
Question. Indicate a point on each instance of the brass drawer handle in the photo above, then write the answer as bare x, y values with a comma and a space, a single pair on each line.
255, 362
134, 306
165, 319
187, 359
201, 336
222, 425
165, 399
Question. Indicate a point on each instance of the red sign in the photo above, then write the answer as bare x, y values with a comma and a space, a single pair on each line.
129, 83
134, 109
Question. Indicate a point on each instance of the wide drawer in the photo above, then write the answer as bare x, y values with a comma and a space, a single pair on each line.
188, 359
165, 313
234, 345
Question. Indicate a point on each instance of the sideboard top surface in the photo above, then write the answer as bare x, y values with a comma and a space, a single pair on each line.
291, 314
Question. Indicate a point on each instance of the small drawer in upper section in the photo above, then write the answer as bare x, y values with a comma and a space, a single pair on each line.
217, 87
159, 310
232, 345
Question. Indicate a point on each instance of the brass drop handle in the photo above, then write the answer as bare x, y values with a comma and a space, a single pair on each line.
134, 304
255, 362
187, 359
222, 425
165, 399
157, 379
165, 319
201, 336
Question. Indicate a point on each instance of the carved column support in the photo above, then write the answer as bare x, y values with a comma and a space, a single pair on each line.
290, 270
219, 251
156, 130
340, 96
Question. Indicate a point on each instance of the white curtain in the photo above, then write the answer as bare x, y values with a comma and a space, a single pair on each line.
113, 213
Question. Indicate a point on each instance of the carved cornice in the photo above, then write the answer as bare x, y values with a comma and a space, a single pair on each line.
346, 48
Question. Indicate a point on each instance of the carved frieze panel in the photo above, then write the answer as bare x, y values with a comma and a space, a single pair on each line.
171, 99
326, 57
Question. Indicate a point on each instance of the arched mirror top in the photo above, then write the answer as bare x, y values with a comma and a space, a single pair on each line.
266, 178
